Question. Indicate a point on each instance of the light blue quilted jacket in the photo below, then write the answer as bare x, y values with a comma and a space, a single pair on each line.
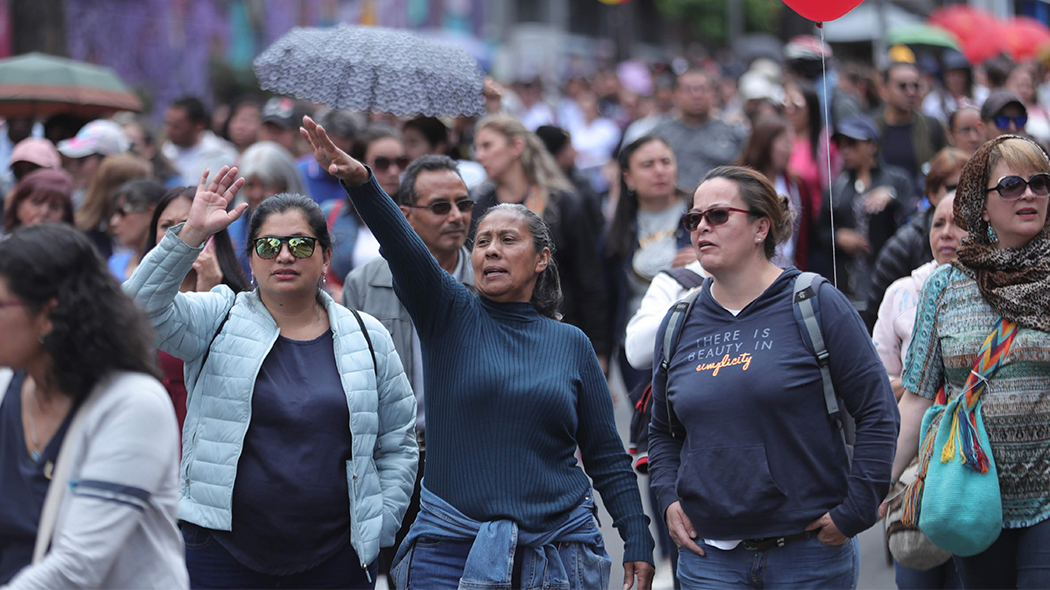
382, 472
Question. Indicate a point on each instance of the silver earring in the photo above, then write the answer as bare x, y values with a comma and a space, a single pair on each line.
324, 279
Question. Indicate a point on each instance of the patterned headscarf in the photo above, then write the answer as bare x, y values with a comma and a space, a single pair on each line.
1014, 281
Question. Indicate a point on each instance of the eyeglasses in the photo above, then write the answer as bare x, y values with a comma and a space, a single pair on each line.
300, 246
1011, 188
442, 208
382, 163
905, 86
1003, 122
715, 216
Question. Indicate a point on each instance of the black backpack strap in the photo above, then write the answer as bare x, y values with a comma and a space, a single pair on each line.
364, 331
685, 277
806, 312
671, 335
207, 351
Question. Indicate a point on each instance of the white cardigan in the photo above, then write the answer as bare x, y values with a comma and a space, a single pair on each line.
114, 526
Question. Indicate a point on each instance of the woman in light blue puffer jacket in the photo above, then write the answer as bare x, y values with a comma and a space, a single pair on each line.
299, 453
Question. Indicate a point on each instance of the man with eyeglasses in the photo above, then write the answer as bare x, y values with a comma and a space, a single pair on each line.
1003, 113
909, 138
436, 204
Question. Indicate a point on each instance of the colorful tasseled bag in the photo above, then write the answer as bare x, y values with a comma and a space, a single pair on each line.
955, 499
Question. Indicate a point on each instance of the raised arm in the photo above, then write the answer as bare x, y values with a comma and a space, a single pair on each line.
185, 322
427, 291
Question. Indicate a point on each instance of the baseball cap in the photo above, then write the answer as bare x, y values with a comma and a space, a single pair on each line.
997, 101
806, 47
283, 112
36, 150
755, 86
858, 127
100, 136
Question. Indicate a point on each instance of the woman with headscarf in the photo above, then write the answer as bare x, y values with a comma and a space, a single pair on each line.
1003, 270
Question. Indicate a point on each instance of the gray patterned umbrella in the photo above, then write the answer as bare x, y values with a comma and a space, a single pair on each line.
372, 69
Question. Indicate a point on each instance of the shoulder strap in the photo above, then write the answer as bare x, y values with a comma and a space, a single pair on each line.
207, 351
672, 334
364, 332
805, 301
686, 277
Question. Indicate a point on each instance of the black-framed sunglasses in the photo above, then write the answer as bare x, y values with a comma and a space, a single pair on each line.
270, 246
442, 208
715, 216
1011, 188
1003, 122
382, 163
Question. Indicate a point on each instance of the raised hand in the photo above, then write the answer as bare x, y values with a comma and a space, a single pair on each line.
208, 213
331, 158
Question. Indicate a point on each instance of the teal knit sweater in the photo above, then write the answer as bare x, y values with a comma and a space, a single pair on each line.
510, 395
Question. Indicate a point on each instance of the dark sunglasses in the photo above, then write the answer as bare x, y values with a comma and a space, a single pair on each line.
1011, 188
715, 216
383, 162
443, 207
300, 246
908, 86
1003, 122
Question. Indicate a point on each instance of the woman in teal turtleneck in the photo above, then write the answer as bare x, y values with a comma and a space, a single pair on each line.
511, 394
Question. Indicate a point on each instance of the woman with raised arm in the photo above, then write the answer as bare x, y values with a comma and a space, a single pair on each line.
519, 392
299, 450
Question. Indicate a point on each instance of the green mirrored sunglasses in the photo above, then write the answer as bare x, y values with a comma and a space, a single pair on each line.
270, 246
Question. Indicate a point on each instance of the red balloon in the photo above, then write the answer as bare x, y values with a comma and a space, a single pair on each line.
822, 10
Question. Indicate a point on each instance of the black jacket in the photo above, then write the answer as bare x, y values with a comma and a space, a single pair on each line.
907, 250
881, 226
576, 236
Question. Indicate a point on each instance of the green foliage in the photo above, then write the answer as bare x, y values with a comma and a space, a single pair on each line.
705, 20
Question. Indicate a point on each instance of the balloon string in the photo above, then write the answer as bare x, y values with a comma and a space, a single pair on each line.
827, 139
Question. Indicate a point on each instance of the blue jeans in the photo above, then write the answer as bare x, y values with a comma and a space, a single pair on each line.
1019, 558
807, 563
438, 565
943, 576
211, 566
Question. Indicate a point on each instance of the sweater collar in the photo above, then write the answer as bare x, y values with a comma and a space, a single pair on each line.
514, 311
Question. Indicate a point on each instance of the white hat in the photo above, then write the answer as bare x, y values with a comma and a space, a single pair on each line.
100, 136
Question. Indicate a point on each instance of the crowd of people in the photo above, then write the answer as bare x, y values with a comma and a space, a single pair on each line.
350, 344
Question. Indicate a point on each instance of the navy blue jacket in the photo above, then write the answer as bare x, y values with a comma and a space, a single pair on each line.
759, 457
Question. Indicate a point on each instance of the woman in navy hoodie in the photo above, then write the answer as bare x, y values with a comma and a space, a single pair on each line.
760, 491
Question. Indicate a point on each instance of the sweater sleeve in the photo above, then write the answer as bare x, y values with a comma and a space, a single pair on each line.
663, 291
184, 322
606, 462
861, 381
665, 451
429, 293
131, 454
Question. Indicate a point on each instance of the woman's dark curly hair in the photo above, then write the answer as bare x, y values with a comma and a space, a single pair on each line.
96, 328
546, 295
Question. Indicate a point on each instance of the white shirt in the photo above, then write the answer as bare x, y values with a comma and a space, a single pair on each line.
211, 152
893, 328
663, 292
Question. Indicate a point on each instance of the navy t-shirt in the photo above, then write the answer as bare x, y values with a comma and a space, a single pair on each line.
23, 482
291, 506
